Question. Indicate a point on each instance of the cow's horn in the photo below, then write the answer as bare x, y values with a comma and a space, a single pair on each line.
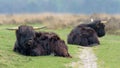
13, 28
91, 19
35, 28
104, 22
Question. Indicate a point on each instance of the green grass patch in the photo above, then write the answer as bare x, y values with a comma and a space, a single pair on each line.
10, 59
108, 52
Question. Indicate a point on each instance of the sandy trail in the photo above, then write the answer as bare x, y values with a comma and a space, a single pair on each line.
87, 59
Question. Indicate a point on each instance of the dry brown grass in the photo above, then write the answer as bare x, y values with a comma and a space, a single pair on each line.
53, 20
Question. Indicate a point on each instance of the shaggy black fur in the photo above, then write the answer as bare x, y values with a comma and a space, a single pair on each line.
84, 36
53, 44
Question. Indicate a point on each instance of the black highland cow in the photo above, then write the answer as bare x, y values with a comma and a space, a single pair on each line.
31, 43
97, 26
84, 36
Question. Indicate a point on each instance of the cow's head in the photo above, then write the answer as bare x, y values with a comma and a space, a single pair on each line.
25, 36
99, 27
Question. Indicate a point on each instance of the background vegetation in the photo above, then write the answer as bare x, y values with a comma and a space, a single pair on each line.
52, 20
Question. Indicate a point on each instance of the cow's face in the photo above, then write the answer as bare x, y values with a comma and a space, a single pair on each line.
25, 36
100, 29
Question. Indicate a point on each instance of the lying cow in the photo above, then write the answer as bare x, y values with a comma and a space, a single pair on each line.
83, 36
31, 43
86, 34
97, 25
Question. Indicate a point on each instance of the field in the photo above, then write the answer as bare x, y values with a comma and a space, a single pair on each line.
107, 53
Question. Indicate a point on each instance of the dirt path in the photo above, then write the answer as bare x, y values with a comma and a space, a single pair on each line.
87, 59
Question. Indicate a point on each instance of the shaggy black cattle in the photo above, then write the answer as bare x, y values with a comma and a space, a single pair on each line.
97, 26
25, 43
84, 36
31, 43
52, 44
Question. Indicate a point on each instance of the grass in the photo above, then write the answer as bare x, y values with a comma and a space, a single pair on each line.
108, 52
10, 59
